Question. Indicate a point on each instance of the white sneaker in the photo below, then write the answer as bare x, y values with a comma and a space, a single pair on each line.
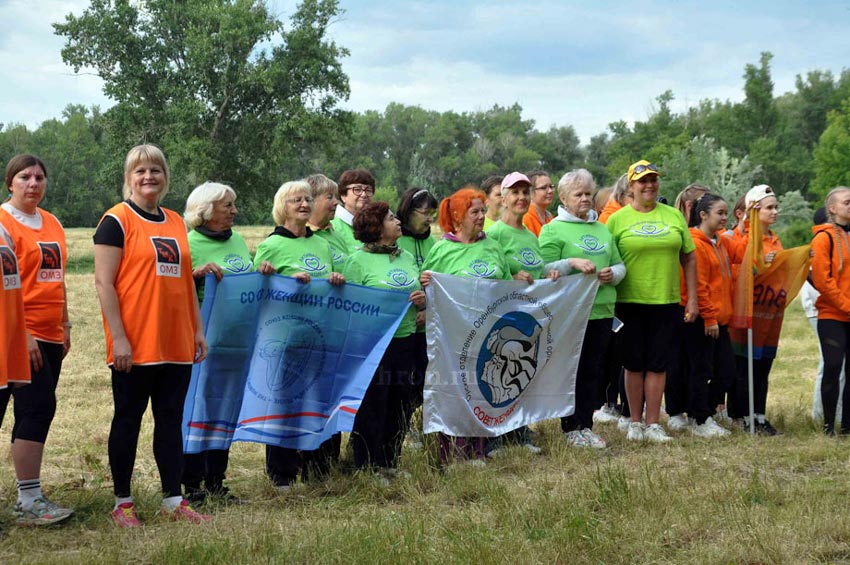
722, 417
576, 439
593, 439
679, 422
623, 423
654, 432
533, 449
635, 432
709, 428
606, 415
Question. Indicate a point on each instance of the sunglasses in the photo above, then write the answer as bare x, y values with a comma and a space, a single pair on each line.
641, 168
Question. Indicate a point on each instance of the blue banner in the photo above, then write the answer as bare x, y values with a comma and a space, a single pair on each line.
288, 363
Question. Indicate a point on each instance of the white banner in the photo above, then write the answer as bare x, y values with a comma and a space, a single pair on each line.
502, 354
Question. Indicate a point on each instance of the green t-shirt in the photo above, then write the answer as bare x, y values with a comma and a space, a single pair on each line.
338, 246
488, 222
346, 234
583, 240
376, 270
231, 255
289, 255
419, 248
482, 259
520, 246
650, 243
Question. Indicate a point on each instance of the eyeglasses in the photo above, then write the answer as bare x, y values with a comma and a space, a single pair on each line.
641, 168
549, 186
300, 200
430, 214
360, 189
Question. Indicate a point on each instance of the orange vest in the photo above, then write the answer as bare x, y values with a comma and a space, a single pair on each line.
42, 257
155, 289
14, 358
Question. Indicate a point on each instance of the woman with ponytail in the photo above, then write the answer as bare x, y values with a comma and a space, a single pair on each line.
464, 251
708, 364
831, 248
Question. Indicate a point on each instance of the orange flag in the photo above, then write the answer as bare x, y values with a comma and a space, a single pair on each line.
763, 291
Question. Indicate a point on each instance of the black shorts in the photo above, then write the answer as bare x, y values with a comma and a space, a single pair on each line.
646, 341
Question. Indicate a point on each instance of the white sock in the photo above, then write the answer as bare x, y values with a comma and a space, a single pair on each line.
171, 503
28, 491
119, 500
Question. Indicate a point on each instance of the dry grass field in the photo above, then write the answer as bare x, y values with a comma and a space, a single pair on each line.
730, 500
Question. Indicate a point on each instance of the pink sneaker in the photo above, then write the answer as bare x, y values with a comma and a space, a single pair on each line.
187, 513
125, 516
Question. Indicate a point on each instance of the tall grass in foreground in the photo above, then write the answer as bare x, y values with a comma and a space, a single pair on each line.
738, 499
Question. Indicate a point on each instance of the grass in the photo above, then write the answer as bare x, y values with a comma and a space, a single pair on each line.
733, 500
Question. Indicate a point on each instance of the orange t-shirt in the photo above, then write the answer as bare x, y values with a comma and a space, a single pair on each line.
14, 358
155, 289
534, 219
42, 256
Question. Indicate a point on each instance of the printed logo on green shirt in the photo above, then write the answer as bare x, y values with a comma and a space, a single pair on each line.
336, 255
481, 269
591, 245
236, 264
397, 278
528, 258
312, 263
650, 229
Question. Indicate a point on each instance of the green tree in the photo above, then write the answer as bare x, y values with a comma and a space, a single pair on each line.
227, 90
832, 154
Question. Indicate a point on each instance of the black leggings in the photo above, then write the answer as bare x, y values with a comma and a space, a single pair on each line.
165, 386
207, 466
590, 367
35, 403
761, 371
384, 414
835, 344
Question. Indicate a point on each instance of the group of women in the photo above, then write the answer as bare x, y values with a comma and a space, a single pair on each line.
665, 279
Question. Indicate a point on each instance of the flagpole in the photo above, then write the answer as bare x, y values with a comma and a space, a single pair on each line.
750, 380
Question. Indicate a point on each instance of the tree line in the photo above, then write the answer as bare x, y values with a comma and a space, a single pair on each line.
233, 93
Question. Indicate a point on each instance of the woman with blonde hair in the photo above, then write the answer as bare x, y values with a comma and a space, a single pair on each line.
143, 276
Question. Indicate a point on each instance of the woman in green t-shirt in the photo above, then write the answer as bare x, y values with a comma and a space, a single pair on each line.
216, 249
464, 251
577, 242
294, 251
384, 414
654, 241
522, 251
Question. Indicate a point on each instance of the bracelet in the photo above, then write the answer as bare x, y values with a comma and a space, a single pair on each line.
67, 324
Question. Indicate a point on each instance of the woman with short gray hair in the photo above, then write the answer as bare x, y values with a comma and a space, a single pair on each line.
216, 249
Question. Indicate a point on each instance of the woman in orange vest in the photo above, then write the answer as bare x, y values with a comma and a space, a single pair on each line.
38, 241
143, 277
831, 248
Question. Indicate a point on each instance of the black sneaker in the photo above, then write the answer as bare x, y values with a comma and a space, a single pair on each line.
765, 429
829, 430
195, 496
222, 495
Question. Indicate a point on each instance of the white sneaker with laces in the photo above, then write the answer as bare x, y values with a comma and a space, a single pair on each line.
606, 415
654, 432
623, 423
709, 429
635, 432
593, 440
679, 422
576, 439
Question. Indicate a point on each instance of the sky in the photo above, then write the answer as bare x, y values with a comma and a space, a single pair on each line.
584, 64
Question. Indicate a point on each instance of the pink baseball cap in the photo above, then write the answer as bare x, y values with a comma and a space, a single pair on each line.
515, 178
